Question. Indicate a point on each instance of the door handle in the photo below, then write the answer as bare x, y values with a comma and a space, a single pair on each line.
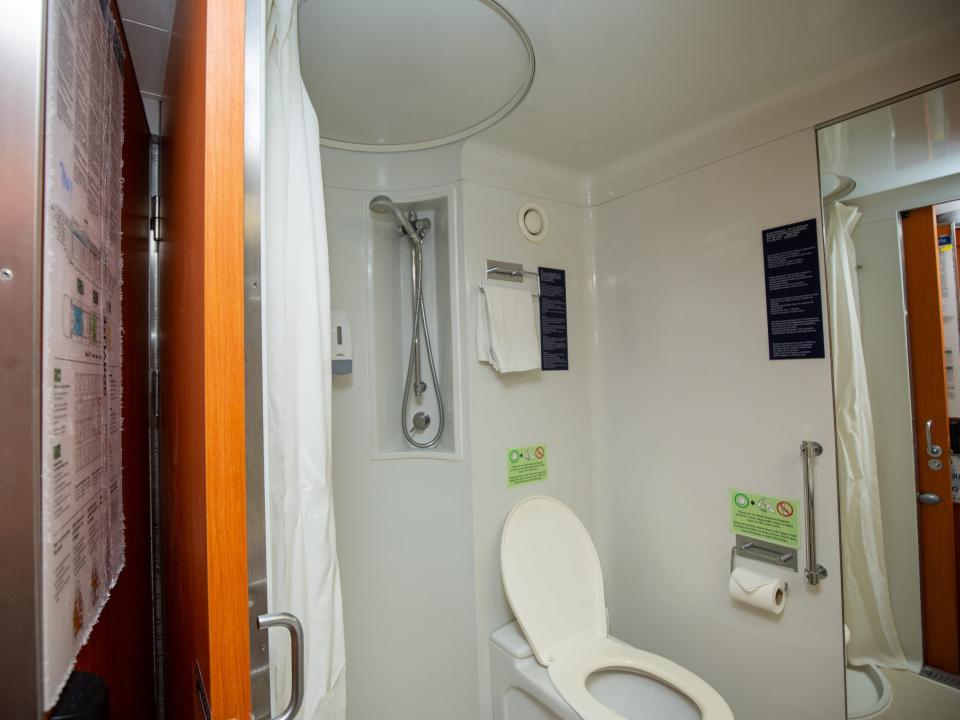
290, 622
928, 498
933, 450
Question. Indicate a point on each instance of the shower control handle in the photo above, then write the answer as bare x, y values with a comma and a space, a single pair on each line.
933, 450
290, 622
928, 498
421, 421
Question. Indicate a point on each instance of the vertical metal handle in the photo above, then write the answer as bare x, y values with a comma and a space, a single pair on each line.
933, 450
290, 622
814, 572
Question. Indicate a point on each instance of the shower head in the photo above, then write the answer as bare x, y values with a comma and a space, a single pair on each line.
381, 204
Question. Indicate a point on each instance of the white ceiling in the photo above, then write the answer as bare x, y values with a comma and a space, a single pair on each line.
909, 142
618, 76
425, 71
147, 25
613, 76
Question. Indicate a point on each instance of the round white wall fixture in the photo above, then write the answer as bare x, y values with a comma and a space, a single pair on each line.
533, 222
393, 76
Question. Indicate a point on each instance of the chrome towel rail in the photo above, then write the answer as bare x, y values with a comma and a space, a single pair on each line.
808, 451
511, 272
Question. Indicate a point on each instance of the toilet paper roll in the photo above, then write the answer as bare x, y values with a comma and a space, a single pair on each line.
762, 592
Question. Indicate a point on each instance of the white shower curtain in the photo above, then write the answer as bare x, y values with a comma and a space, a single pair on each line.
304, 576
866, 595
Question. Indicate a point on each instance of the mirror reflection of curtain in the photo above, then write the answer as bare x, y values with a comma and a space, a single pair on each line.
834, 147
866, 595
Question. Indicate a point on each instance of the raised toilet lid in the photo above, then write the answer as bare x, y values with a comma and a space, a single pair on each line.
551, 575
552, 578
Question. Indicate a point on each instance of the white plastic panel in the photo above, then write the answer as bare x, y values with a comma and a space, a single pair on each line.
412, 74
551, 575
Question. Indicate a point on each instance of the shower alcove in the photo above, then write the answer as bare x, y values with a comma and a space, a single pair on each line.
390, 313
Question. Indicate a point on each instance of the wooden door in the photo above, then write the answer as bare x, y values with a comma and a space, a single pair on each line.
929, 385
201, 366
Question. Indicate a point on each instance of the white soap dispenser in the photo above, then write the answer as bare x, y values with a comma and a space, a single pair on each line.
341, 345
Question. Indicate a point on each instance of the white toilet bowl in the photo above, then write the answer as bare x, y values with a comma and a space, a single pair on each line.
868, 690
552, 579
523, 690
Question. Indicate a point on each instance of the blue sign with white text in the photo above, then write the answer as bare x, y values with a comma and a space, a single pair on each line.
554, 353
791, 268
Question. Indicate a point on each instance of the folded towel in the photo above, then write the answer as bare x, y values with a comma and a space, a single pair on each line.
506, 329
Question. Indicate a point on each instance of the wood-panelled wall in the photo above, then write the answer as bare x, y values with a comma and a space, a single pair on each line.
120, 648
201, 345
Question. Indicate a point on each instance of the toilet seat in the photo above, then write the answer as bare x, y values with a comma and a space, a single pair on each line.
582, 658
554, 584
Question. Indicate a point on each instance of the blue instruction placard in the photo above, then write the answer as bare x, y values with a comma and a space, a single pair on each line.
554, 353
791, 268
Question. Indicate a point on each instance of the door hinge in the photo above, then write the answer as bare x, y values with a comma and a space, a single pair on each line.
202, 691
155, 221
155, 395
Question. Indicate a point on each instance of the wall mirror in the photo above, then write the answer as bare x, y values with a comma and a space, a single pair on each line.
890, 181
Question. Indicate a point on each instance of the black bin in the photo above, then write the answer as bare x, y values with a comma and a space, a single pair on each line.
84, 697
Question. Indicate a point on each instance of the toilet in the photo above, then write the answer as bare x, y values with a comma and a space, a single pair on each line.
558, 660
868, 690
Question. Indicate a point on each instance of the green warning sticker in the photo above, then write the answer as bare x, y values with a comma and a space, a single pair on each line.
526, 465
765, 517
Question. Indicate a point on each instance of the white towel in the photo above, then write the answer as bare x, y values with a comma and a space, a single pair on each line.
507, 330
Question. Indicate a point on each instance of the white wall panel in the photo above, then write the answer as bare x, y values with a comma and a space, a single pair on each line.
553, 408
404, 533
693, 407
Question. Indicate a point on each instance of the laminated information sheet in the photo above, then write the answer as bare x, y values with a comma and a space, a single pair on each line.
81, 386
765, 517
526, 465
950, 310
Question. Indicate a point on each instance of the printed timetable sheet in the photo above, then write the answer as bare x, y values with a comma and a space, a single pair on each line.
81, 386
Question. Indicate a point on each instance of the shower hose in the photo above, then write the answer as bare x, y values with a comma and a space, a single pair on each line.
420, 327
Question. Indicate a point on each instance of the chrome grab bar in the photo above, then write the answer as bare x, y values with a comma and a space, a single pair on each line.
814, 572
780, 557
290, 622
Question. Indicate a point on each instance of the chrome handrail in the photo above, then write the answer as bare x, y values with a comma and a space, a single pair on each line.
814, 571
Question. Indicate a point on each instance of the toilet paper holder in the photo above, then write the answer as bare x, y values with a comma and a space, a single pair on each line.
771, 553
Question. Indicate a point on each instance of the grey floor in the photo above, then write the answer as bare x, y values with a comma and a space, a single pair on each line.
917, 698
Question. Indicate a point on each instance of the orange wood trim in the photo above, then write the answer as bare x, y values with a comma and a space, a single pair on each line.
956, 506
928, 379
184, 501
202, 338
223, 362
956, 550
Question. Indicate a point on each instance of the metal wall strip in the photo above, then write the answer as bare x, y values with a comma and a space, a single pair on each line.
22, 51
253, 358
153, 324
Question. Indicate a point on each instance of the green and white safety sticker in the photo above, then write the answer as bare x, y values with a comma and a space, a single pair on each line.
765, 517
526, 465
